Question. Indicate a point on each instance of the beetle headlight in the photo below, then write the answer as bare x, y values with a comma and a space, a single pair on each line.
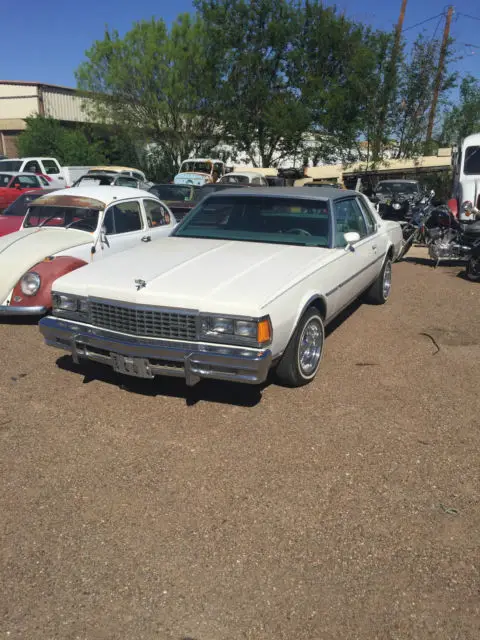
64, 304
30, 283
254, 332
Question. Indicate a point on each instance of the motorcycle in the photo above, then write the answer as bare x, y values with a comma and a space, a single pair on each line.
395, 205
444, 236
473, 265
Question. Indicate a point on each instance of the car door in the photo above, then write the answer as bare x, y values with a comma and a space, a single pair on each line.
160, 220
124, 227
357, 264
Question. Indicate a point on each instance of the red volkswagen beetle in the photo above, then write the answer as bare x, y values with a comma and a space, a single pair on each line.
11, 219
14, 184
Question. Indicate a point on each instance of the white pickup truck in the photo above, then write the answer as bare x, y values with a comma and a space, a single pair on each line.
58, 176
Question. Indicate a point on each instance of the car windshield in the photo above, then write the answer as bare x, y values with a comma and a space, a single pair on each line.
206, 190
472, 161
20, 205
4, 179
234, 179
10, 165
282, 220
172, 192
196, 165
67, 217
398, 187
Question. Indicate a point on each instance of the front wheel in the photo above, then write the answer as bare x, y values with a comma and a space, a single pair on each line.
473, 269
301, 359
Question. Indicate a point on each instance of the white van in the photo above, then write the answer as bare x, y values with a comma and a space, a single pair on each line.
466, 179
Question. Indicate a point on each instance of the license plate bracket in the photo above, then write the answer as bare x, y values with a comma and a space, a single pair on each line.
130, 366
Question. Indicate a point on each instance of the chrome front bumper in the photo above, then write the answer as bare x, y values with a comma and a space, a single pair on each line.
7, 310
190, 360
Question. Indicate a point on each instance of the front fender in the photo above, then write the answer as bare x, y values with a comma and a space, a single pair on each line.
49, 270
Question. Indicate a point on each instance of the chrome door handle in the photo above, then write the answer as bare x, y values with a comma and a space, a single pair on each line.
146, 239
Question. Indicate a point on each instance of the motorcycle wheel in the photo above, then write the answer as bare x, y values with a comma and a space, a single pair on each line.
407, 245
473, 270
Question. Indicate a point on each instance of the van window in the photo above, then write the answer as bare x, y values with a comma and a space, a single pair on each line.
472, 161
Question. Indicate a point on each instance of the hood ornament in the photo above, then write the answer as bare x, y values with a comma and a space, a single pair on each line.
141, 284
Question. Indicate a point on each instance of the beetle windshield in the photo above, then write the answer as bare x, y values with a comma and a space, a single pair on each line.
67, 217
203, 166
296, 221
408, 188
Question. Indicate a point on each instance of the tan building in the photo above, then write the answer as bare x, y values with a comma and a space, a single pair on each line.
19, 100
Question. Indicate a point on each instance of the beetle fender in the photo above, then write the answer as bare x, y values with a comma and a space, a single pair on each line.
49, 270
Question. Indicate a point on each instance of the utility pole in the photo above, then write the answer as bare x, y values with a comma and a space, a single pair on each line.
389, 82
438, 78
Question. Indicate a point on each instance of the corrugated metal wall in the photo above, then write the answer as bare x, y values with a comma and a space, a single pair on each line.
63, 106
18, 101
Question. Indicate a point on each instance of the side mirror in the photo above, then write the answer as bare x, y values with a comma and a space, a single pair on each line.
350, 238
432, 193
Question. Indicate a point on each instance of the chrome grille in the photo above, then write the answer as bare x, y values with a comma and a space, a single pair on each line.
143, 321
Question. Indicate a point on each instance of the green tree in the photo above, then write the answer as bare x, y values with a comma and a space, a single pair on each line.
155, 84
464, 118
48, 137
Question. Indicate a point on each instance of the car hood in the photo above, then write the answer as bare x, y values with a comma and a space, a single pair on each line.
21, 250
209, 275
9, 224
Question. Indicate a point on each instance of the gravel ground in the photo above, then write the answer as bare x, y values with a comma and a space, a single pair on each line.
347, 509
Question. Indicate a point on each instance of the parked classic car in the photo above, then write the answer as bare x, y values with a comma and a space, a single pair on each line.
246, 282
66, 230
253, 178
99, 179
178, 197
127, 171
395, 198
13, 184
199, 171
12, 218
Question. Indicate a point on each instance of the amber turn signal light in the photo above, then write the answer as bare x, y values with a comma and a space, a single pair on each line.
264, 331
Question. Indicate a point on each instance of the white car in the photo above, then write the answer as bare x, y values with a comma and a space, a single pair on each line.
68, 229
253, 178
246, 282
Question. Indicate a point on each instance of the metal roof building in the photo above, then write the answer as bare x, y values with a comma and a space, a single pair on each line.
19, 100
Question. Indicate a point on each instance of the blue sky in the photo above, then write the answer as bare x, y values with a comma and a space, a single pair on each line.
49, 41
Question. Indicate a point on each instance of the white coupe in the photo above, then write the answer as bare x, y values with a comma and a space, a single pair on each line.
246, 282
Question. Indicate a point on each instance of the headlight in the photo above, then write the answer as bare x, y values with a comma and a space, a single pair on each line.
467, 207
396, 206
30, 283
231, 330
65, 304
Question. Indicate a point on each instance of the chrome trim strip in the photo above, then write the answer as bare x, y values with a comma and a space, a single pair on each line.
8, 310
342, 284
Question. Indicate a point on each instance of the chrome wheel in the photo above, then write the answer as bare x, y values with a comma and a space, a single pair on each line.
387, 279
310, 347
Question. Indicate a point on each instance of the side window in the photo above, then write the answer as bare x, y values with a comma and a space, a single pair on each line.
369, 219
50, 167
123, 217
32, 167
256, 181
217, 166
156, 214
27, 181
138, 176
348, 217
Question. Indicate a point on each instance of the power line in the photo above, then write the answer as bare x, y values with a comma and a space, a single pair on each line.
424, 21
465, 15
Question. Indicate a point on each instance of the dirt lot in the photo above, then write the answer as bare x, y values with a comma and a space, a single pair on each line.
348, 509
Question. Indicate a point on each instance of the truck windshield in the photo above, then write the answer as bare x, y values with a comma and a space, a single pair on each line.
472, 161
66, 217
294, 221
196, 165
10, 165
